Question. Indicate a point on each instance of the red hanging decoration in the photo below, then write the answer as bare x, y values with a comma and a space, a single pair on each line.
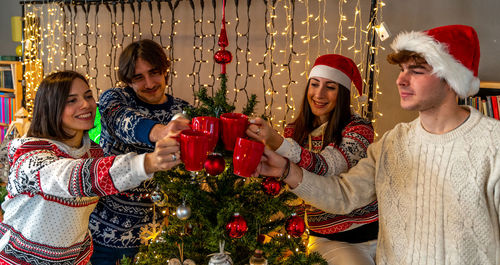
237, 227
222, 56
215, 164
295, 226
271, 186
223, 42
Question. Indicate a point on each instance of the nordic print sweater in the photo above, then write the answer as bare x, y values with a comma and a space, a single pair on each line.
329, 161
126, 122
53, 188
438, 195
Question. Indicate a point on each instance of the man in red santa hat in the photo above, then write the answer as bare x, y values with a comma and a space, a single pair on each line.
437, 178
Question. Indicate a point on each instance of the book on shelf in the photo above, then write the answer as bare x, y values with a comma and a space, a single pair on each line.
6, 78
494, 106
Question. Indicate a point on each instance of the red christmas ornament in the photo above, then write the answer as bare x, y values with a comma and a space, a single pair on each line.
223, 42
223, 57
271, 186
295, 226
215, 164
237, 227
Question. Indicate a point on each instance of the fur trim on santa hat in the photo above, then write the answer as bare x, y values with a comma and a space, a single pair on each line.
338, 68
332, 74
444, 65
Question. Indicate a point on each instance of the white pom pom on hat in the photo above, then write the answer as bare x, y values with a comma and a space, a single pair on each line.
453, 52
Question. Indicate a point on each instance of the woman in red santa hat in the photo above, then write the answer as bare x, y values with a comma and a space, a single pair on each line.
327, 139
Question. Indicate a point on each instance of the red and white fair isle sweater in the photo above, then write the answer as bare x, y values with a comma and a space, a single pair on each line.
53, 188
330, 161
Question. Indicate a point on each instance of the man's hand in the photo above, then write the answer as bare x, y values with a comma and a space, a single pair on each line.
165, 156
174, 127
273, 165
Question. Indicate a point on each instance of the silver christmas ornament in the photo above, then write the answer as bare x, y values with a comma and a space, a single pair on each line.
159, 198
183, 212
221, 258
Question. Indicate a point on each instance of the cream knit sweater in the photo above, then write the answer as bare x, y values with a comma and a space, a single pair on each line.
438, 195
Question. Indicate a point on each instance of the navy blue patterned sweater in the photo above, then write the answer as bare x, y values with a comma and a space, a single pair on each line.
126, 122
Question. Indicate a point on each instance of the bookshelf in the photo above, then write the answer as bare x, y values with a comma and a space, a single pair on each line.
11, 92
487, 100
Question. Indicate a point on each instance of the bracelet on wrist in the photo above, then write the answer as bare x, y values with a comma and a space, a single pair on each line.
286, 172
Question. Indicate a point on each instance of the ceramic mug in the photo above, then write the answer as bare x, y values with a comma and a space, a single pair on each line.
209, 125
233, 126
246, 156
194, 149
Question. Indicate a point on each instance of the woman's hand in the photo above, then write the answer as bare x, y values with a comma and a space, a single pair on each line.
260, 130
165, 156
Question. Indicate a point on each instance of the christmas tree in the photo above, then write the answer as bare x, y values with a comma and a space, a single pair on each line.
214, 207
210, 209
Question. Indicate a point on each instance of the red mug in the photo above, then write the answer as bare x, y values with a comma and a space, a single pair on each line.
234, 125
246, 156
209, 125
194, 149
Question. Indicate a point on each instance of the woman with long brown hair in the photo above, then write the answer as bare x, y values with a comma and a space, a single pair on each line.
57, 176
327, 139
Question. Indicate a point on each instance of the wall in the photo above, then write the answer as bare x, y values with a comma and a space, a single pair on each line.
8, 8
399, 15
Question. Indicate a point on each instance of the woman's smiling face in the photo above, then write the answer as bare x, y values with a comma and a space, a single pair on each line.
322, 97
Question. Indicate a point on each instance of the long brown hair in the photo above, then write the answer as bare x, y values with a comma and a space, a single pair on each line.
339, 117
50, 101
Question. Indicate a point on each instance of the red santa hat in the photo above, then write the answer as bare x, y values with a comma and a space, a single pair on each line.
452, 51
339, 69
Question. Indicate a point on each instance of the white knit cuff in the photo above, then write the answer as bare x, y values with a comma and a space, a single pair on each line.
290, 149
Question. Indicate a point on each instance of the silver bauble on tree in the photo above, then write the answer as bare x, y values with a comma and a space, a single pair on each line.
221, 258
183, 212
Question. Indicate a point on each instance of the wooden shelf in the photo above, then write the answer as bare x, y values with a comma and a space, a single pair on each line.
2, 89
489, 85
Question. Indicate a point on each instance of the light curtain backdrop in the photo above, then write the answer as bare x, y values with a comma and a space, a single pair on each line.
273, 43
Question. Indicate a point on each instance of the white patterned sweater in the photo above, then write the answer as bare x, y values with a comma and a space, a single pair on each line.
53, 188
438, 195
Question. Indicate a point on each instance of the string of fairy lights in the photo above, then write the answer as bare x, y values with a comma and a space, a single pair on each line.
272, 56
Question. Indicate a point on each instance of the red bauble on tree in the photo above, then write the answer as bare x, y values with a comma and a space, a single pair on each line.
237, 227
295, 226
215, 164
271, 186
223, 57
